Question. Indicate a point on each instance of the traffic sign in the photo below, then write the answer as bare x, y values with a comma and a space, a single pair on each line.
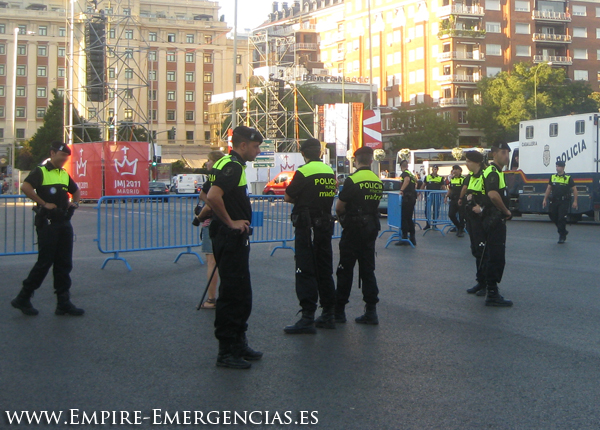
268, 145
256, 165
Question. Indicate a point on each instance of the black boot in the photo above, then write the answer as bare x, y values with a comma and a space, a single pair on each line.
562, 238
340, 314
427, 226
370, 315
327, 318
480, 286
230, 356
413, 239
494, 298
305, 325
402, 242
460, 232
247, 352
65, 307
23, 303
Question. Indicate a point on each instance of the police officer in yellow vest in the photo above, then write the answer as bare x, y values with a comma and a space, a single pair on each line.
230, 231
433, 181
49, 185
560, 185
495, 214
357, 209
312, 192
455, 210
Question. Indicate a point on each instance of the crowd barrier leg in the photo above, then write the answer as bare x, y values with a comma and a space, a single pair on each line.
189, 251
283, 246
116, 257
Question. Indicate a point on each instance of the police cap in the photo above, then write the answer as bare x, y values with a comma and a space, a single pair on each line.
500, 144
456, 167
560, 163
248, 133
310, 143
60, 146
435, 166
474, 156
365, 150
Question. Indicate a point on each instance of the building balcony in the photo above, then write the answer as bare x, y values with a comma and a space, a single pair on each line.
551, 38
460, 10
556, 60
546, 15
453, 102
458, 79
461, 55
469, 34
306, 46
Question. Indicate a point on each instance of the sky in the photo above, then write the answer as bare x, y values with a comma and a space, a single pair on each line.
251, 13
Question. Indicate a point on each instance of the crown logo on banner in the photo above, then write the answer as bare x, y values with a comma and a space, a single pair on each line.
126, 167
81, 165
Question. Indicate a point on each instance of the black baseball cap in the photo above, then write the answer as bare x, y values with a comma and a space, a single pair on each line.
560, 163
249, 133
474, 156
365, 150
60, 146
500, 144
310, 143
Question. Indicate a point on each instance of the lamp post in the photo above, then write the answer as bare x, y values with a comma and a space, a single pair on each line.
535, 86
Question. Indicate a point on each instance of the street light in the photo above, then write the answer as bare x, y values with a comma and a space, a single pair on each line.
549, 63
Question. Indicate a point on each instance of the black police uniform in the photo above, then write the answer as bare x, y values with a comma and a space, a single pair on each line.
232, 251
455, 211
313, 190
475, 196
362, 193
433, 183
54, 231
560, 201
409, 198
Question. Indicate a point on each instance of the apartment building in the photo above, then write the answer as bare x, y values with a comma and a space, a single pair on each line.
163, 61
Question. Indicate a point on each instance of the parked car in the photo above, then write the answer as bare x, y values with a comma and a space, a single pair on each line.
158, 188
279, 184
389, 185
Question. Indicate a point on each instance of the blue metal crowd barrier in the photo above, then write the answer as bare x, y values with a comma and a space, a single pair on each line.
394, 220
271, 221
432, 209
17, 230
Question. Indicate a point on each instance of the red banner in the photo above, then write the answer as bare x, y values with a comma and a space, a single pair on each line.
86, 169
126, 168
356, 126
372, 129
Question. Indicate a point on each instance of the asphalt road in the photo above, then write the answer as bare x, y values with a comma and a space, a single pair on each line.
439, 359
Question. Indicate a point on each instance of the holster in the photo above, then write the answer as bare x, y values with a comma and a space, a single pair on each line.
491, 219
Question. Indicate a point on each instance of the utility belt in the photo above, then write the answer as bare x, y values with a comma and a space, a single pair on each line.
216, 227
44, 216
316, 220
360, 221
560, 199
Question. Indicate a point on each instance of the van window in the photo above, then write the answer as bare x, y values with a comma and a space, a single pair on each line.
580, 127
529, 132
554, 129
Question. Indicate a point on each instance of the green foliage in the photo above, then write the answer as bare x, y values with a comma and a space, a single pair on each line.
178, 167
423, 128
131, 133
510, 98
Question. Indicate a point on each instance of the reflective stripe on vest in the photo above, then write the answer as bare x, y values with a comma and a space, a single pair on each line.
218, 166
560, 179
457, 181
55, 177
490, 169
430, 178
476, 185
227, 159
315, 168
365, 176
413, 178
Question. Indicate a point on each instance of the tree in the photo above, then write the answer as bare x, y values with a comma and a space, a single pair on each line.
423, 128
512, 97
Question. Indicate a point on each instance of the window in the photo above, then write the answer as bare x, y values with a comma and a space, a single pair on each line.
2, 69
171, 96
152, 56
43, 30
62, 32
170, 133
493, 71
238, 78
21, 131
580, 54
579, 11
189, 38
419, 52
376, 61
42, 50
21, 70
61, 72
579, 32
40, 112
153, 115
189, 76
189, 135
189, 96
580, 127
127, 12
411, 55
529, 132
128, 113
208, 58
581, 75
92, 113
208, 40
493, 49
112, 33
129, 53
3, 28
190, 57
554, 129
208, 77
462, 117
492, 4
128, 73
20, 113
598, 33
2, 91
152, 95
2, 49
170, 75
171, 37
189, 115
171, 117
22, 30
411, 77
171, 56
2, 116
597, 13
111, 73
20, 92
238, 59
128, 34
152, 37
207, 96
597, 55
61, 51
523, 51
421, 75
492, 27
522, 6
152, 75
522, 28
41, 92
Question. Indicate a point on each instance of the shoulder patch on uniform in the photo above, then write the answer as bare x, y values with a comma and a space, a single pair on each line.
228, 170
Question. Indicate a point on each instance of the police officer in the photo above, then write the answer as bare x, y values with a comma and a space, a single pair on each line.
455, 212
409, 198
229, 231
495, 213
312, 192
49, 185
357, 211
433, 182
560, 185
474, 197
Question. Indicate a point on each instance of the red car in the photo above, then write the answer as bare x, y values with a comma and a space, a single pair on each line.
278, 185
